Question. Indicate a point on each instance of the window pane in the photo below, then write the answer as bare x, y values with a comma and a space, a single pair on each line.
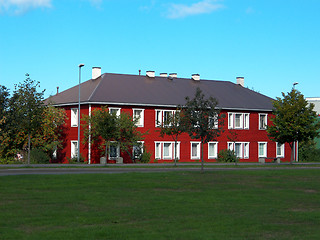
262, 149
237, 120
246, 121
238, 149
212, 150
230, 120
74, 117
246, 150
158, 118
114, 151
137, 114
157, 150
194, 149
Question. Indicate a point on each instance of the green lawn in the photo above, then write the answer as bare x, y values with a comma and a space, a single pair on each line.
264, 204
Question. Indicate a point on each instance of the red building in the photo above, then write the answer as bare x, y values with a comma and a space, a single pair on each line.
149, 98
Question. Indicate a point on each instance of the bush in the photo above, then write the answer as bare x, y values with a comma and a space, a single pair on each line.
9, 161
227, 155
308, 152
38, 156
146, 156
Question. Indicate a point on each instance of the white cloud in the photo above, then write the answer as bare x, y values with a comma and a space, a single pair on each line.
182, 10
21, 6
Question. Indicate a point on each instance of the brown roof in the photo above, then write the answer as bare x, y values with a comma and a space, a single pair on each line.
141, 90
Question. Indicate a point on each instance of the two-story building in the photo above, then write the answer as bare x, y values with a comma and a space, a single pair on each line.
149, 98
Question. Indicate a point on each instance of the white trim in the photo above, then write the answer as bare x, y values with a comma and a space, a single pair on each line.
282, 150
265, 149
215, 155
266, 121
198, 149
141, 117
115, 108
158, 122
74, 117
74, 151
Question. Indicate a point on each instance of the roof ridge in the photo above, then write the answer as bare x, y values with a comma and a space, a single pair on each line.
89, 99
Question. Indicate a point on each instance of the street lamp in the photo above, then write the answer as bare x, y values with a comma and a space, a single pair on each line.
294, 85
296, 144
78, 155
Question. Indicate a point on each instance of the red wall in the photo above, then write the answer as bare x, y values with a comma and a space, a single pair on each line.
252, 135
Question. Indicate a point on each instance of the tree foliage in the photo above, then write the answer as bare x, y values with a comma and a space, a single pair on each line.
294, 120
173, 126
202, 119
26, 122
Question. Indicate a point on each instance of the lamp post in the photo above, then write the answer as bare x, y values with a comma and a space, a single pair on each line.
78, 155
296, 144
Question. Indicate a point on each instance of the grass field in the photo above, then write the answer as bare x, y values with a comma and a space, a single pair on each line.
265, 204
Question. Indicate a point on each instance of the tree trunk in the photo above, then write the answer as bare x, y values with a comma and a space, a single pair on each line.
29, 149
202, 157
107, 148
175, 152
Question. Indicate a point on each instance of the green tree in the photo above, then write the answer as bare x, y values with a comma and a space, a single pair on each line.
173, 126
202, 119
294, 120
29, 108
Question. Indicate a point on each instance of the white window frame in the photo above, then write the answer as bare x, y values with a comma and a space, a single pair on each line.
118, 151
215, 154
74, 149
244, 120
159, 117
244, 149
198, 155
74, 117
140, 122
114, 108
159, 150
265, 149
265, 119
281, 147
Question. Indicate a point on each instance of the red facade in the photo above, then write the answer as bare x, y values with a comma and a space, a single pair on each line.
249, 140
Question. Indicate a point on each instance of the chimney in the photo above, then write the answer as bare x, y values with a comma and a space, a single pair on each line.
172, 75
150, 74
57, 90
195, 77
96, 72
163, 74
139, 72
240, 81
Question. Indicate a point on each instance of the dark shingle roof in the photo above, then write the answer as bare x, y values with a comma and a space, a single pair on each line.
160, 91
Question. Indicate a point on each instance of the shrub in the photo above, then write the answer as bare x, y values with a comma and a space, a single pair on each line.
146, 156
39, 156
227, 155
308, 152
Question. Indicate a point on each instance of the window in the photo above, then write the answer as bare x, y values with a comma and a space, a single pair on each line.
195, 150
262, 121
213, 122
74, 149
238, 120
241, 149
115, 111
262, 149
137, 150
74, 117
114, 150
162, 116
212, 150
138, 115
166, 150
280, 150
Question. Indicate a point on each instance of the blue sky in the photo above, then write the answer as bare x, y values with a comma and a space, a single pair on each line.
270, 43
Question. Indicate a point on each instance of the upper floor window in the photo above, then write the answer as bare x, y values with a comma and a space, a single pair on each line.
138, 115
238, 120
74, 117
241, 149
263, 121
115, 111
280, 150
163, 116
213, 122
212, 150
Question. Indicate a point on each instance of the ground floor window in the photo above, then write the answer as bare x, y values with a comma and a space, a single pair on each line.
262, 149
166, 150
195, 150
114, 150
212, 150
280, 150
137, 150
241, 149
74, 149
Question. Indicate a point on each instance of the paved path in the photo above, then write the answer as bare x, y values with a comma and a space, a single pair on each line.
6, 170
